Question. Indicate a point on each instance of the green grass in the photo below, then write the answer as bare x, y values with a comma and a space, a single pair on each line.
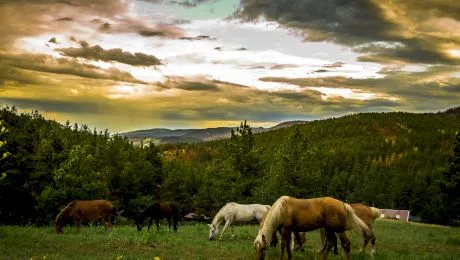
395, 240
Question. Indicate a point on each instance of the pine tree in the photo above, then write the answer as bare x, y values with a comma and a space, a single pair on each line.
243, 158
450, 187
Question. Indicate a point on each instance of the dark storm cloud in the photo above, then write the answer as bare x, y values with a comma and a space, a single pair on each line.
66, 106
197, 86
20, 68
99, 54
425, 29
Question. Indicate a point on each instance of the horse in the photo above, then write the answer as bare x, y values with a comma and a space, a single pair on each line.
368, 215
234, 212
85, 211
295, 244
159, 211
289, 214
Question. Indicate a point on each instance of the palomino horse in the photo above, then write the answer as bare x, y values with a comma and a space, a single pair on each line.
234, 212
159, 211
85, 211
295, 244
289, 214
368, 215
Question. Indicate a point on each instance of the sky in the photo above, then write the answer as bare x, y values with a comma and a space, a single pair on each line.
137, 64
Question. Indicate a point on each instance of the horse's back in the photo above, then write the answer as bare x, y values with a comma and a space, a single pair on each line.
317, 212
93, 209
364, 212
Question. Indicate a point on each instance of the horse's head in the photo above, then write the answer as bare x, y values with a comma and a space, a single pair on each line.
213, 230
58, 227
261, 246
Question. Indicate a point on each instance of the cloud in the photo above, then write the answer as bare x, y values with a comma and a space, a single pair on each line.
99, 54
424, 30
26, 69
34, 17
432, 89
197, 86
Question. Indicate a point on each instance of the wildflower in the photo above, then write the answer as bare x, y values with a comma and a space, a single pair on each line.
156, 258
119, 257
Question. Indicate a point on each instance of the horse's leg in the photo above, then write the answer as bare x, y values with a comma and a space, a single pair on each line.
150, 223
107, 223
345, 243
228, 222
232, 226
169, 222
372, 241
298, 241
331, 239
323, 240
157, 222
286, 242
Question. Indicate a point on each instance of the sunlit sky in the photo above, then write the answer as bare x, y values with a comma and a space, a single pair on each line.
127, 65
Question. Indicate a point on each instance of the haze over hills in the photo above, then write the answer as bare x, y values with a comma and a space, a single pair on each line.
164, 135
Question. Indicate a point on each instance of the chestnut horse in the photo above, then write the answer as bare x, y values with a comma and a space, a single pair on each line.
85, 211
159, 211
289, 214
368, 215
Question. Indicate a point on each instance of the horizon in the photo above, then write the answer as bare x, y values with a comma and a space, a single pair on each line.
143, 64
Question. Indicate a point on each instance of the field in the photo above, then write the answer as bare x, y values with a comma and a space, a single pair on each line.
395, 240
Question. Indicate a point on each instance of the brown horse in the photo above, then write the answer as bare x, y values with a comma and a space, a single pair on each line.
368, 215
159, 211
301, 215
85, 211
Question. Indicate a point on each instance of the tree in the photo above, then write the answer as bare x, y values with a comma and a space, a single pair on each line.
450, 186
3, 153
296, 170
243, 158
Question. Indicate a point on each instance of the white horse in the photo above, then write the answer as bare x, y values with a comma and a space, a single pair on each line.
234, 212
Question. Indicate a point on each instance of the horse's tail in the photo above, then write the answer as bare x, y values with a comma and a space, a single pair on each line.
355, 221
375, 213
272, 220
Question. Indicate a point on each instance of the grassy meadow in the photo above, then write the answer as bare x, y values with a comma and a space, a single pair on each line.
395, 240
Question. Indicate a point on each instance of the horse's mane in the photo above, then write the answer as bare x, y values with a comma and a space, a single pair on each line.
61, 213
272, 220
220, 213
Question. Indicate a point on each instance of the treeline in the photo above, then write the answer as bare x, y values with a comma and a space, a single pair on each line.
47, 165
389, 160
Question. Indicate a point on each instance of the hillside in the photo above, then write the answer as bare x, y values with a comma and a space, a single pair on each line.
163, 135
390, 160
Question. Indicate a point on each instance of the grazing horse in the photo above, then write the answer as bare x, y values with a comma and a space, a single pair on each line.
368, 215
295, 243
289, 214
234, 212
159, 211
85, 211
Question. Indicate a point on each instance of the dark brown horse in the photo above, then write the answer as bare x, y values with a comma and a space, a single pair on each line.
157, 212
301, 215
85, 211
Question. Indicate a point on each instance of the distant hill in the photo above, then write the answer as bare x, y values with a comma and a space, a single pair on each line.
163, 135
